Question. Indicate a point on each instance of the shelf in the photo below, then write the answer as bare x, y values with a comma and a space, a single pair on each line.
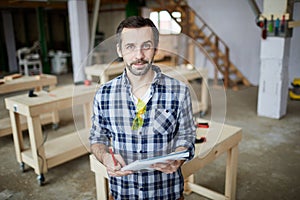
61, 149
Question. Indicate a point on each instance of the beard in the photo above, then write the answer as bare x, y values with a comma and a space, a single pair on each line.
140, 71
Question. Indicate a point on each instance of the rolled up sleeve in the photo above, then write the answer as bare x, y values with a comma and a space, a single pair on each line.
186, 128
99, 132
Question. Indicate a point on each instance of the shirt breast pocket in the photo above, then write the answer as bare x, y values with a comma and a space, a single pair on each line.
164, 121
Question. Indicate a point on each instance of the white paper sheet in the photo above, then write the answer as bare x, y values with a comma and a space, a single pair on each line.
146, 163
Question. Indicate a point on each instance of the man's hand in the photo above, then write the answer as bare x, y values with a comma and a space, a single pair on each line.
113, 170
169, 167
101, 153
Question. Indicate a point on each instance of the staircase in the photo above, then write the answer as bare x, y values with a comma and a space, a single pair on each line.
215, 48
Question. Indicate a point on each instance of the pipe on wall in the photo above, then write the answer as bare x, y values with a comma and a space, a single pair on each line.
254, 7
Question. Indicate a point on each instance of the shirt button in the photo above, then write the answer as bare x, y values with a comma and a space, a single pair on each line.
140, 132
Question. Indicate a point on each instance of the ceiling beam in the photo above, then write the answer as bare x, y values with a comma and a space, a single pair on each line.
33, 4
55, 4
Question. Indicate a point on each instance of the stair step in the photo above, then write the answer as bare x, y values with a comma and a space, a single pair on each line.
238, 80
230, 71
210, 50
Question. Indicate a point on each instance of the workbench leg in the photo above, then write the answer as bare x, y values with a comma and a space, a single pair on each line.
36, 143
38, 89
17, 134
204, 92
103, 78
101, 187
187, 190
55, 119
87, 113
51, 87
89, 77
231, 173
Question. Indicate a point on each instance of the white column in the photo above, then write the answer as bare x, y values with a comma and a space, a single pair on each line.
274, 57
273, 83
79, 30
10, 41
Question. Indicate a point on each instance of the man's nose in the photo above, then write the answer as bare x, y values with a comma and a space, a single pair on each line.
139, 53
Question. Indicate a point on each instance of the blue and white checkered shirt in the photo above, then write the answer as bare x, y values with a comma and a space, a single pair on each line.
168, 124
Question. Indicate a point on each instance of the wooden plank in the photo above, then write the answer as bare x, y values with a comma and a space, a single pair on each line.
187, 189
104, 71
97, 166
293, 24
59, 150
36, 144
204, 91
101, 187
197, 106
183, 74
17, 134
27, 158
6, 129
59, 98
101, 178
11, 77
65, 148
87, 110
206, 192
28, 82
231, 173
275, 16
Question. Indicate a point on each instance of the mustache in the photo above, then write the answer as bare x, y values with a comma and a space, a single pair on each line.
140, 61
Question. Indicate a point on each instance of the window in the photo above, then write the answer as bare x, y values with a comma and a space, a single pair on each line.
165, 23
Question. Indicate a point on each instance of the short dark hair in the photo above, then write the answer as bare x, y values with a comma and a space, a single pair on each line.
138, 22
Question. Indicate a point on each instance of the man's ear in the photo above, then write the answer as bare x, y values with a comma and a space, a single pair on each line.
119, 50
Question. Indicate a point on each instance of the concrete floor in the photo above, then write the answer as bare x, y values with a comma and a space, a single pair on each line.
268, 168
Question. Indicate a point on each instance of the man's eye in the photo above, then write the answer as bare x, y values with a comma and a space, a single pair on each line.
146, 46
130, 47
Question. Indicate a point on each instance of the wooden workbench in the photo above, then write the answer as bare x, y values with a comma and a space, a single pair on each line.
106, 72
43, 155
218, 144
27, 83
227, 141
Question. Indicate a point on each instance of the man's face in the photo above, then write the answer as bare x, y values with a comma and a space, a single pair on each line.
137, 49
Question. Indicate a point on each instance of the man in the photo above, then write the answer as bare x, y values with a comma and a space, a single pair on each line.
142, 114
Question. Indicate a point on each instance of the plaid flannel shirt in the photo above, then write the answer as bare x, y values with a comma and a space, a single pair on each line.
168, 124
